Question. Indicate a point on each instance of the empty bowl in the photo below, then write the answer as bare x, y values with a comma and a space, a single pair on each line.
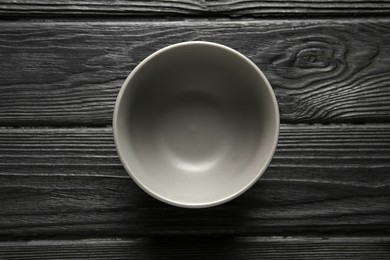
196, 124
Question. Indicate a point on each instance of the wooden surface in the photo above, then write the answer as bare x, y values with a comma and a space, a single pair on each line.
69, 73
65, 195
69, 182
189, 8
359, 248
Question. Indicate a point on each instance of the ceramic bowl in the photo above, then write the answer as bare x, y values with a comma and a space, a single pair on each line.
196, 124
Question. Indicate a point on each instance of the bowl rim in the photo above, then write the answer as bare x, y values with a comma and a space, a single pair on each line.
207, 203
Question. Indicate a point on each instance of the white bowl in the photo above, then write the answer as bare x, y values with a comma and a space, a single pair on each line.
196, 124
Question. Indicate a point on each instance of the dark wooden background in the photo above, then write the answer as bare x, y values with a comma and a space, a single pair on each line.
64, 193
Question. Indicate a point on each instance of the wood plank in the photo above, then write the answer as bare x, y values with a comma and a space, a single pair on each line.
227, 8
69, 73
311, 248
69, 182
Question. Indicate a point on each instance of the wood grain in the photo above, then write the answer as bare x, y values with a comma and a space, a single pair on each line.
69, 73
205, 8
310, 248
69, 182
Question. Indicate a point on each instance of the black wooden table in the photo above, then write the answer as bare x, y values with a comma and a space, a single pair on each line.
64, 193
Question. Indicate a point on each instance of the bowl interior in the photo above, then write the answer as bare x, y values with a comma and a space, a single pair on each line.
196, 124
